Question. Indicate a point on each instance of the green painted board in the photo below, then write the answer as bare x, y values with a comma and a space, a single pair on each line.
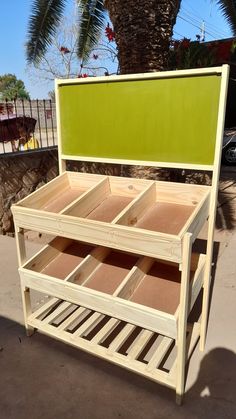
170, 120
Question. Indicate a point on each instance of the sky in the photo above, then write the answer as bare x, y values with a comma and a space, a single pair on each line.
14, 17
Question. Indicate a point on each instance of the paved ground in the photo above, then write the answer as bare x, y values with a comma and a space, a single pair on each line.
43, 378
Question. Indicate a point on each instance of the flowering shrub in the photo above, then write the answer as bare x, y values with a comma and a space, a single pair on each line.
187, 54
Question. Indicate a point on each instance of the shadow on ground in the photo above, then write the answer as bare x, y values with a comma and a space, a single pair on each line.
54, 381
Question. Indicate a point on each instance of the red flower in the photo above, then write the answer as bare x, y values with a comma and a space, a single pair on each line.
83, 76
64, 50
185, 43
110, 34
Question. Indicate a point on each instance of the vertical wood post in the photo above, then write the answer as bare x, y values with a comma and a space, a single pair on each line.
213, 205
183, 316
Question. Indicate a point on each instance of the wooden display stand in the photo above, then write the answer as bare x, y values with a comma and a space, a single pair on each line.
121, 271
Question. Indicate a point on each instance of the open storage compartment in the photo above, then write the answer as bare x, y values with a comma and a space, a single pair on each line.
166, 207
157, 284
108, 199
111, 272
142, 281
134, 215
59, 258
60, 192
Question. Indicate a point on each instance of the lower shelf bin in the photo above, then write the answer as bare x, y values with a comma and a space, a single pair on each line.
59, 258
160, 288
111, 272
157, 286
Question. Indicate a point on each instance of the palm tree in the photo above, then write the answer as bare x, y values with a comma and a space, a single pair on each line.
143, 29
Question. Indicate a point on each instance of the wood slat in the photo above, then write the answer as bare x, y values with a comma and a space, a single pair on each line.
120, 338
139, 344
76, 314
87, 324
57, 312
105, 331
159, 354
43, 309
192, 338
100, 351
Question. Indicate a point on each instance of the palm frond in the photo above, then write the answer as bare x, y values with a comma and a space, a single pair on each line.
91, 23
44, 20
228, 8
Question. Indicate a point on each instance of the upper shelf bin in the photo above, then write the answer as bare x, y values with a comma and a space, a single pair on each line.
61, 192
108, 199
167, 208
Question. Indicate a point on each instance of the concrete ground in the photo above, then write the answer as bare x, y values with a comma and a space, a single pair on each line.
43, 378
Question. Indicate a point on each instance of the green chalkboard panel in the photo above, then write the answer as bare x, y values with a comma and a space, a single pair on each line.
170, 120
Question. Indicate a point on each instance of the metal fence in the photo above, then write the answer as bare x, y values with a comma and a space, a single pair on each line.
27, 125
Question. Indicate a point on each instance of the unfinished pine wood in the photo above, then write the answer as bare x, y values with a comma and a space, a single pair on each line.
60, 192
105, 203
111, 304
98, 333
129, 239
134, 278
142, 205
111, 272
90, 200
162, 210
183, 318
59, 258
103, 216
213, 204
159, 288
138, 206
181, 193
88, 266
165, 217
109, 208
125, 310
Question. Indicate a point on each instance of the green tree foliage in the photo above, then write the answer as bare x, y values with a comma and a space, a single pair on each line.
143, 29
12, 88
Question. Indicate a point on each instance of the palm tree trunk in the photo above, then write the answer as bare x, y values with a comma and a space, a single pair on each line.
143, 31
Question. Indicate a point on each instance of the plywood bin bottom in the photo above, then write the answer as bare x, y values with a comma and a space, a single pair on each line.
111, 272
109, 208
61, 192
65, 198
165, 217
160, 288
60, 258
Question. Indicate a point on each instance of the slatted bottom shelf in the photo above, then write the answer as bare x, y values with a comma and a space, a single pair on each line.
134, 348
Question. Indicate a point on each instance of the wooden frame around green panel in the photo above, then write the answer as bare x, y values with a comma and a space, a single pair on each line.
165, 119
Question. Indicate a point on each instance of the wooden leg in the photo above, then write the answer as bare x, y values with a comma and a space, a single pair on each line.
206, 293
205, 309
25, 292
179, 399
20, 245
183, 316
